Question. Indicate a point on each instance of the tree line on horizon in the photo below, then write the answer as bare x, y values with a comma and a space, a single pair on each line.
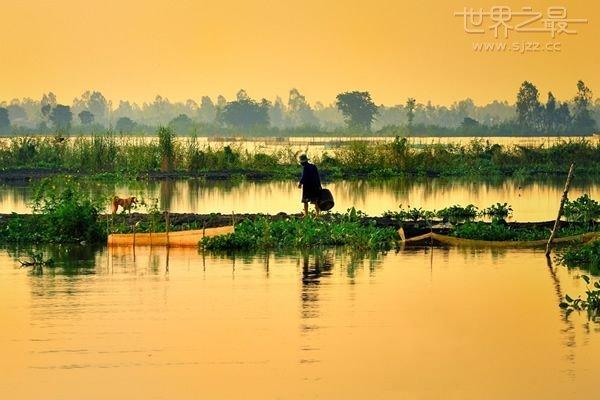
353, 112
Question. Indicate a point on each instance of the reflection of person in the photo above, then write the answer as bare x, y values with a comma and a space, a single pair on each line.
310, 182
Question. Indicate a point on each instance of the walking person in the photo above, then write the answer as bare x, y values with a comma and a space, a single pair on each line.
310, 182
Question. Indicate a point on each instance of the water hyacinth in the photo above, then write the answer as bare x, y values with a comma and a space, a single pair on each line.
343, 230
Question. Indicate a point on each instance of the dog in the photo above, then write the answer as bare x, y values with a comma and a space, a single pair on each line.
125, 203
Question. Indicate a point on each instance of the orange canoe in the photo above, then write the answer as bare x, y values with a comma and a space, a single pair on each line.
172, 239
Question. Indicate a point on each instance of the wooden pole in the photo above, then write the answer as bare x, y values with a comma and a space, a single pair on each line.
560, 209
168, 221
134, 232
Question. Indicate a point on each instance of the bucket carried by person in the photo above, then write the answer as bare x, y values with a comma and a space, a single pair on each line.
325, 202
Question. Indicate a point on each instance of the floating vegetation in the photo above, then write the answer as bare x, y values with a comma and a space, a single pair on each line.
348, 229
586, 257
498, 212
583, 210
457, 214
590, 304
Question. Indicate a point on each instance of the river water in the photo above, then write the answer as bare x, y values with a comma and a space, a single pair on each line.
532, 200
422, 323
417, 324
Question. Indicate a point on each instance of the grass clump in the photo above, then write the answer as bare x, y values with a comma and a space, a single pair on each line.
166, 143
61, 214
301, 233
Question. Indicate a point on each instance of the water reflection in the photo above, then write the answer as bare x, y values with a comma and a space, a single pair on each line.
532, 200
421, 323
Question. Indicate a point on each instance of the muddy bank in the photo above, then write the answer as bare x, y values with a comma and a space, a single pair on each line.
24, 175
288, 173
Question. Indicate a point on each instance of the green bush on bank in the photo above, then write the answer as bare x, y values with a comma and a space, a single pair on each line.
61, 214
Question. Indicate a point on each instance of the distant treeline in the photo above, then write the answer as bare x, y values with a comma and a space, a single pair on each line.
353, 113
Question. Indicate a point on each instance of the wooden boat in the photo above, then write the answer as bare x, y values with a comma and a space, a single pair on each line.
171, 239
456, 241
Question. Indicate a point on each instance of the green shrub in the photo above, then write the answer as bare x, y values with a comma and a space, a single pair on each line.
62, 214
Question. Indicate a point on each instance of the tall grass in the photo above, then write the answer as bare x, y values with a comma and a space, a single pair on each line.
166, 143
110, 153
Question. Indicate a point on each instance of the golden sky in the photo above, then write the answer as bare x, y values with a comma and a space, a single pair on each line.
185, 49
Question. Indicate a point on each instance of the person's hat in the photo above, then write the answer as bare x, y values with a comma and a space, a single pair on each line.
303, 158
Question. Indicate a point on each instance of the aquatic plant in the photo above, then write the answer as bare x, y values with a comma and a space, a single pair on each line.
584, 210
343, 230
504, 232
496, 232
457, 213
590, 304
498, 212
410, 214
61, 214
586, 256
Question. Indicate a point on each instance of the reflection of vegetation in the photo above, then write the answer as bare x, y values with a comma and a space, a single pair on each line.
340, 230
63, 259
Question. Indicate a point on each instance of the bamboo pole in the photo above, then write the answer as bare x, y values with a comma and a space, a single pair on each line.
134, 232
167, 223
560, 209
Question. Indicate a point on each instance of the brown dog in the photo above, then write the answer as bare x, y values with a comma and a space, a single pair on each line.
125, 203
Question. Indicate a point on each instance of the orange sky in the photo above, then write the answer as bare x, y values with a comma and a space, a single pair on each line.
182, 49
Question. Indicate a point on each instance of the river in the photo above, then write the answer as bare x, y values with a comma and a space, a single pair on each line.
420, 323
532, 200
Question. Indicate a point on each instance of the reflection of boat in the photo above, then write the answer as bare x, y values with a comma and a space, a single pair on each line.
171, 239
